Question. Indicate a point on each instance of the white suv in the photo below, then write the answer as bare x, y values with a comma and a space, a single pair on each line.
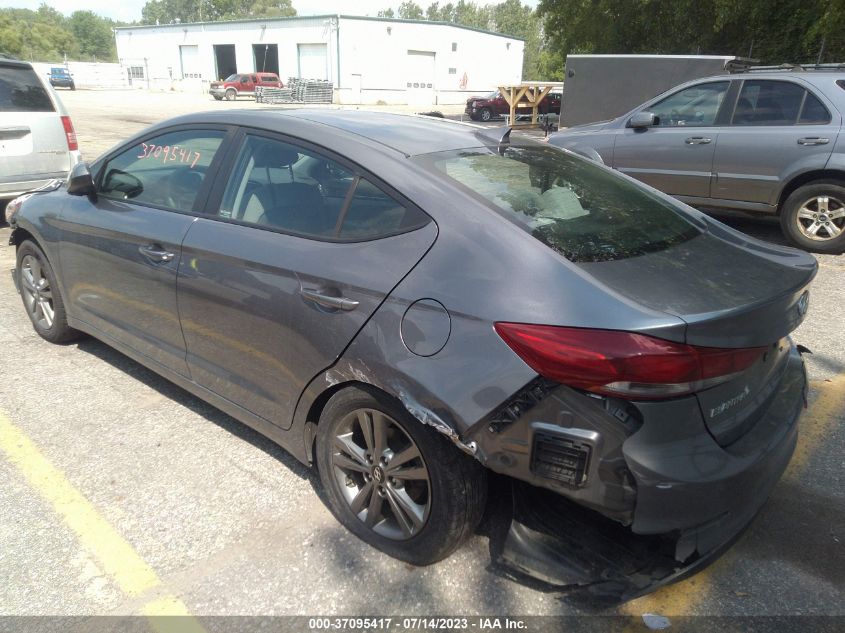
37, 140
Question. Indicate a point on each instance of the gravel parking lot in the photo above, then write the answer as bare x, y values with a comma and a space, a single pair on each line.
206, 517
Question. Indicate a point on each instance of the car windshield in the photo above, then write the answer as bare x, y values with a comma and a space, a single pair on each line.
583, 212
232, 78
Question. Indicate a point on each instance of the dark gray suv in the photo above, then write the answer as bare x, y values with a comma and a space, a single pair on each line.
760, 141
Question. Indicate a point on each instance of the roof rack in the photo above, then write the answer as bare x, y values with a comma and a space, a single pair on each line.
746, 66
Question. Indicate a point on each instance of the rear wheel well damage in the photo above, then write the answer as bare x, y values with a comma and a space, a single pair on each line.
20, 235
818, 176
400, 397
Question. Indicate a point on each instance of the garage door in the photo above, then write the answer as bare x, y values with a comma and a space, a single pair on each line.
313, 61
419, 74
190, 59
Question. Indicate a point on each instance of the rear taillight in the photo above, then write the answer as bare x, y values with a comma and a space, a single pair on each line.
623, 363
72, 145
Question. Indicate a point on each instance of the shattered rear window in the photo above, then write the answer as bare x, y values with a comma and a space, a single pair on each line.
584, 212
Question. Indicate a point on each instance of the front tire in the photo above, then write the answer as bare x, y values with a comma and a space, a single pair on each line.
394, 482
231, 94
41, 296
813, 217
485, 114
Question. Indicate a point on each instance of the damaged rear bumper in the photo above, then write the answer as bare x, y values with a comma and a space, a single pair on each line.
677, 499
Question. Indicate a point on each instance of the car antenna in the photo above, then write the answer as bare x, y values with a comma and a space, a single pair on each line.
501, 135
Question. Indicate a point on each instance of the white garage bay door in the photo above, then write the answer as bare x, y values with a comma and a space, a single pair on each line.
313, 61
419, 70
190, 58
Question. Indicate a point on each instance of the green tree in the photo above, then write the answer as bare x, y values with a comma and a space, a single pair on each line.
410, 10
775, 31
46, 35
94, 35
385, 13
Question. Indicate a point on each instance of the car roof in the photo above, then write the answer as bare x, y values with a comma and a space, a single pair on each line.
14, 63
409, 134
810, 76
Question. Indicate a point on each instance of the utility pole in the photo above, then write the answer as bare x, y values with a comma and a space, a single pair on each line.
821, 52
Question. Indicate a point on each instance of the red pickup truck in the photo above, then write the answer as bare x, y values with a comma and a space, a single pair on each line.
494, 104
243, 85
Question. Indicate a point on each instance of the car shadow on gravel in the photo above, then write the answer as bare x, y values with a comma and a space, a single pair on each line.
173, 392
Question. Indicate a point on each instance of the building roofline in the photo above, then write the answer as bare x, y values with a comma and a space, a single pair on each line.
439, 22
318, 17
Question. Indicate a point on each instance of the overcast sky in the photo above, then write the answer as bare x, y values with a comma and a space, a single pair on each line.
129, 10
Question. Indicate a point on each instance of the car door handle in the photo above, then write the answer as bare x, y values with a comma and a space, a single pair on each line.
156, 254
697, 140
813, 140
327, 301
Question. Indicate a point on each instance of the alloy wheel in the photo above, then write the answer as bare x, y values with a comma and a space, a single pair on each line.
821, 218
37, 294
381, 474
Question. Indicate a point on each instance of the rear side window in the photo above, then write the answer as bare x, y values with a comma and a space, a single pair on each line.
372, 213
813, 112
164, 171
583, 212
763, 102
296, 190
21, 91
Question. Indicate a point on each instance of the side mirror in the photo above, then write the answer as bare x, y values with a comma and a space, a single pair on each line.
80, 182
643, 120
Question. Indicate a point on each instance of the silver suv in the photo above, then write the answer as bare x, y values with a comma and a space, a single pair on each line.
37, 139
761, 141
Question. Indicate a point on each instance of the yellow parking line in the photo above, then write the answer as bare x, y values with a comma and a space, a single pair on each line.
817, 422
170, 615
116, 556
114, 553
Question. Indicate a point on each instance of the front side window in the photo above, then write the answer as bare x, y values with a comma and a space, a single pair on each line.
292, 189
695, 106
581, 211
763, 102
164, 171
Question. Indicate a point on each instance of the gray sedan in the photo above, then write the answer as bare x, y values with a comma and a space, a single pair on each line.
762, 142
408, 304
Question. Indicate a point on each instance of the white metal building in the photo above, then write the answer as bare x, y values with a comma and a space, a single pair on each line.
369, 60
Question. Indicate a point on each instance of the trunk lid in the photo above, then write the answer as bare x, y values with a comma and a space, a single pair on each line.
731, 296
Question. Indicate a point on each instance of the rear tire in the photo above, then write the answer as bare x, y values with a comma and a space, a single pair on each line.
42, 299
231, 95
368, 491
813, 217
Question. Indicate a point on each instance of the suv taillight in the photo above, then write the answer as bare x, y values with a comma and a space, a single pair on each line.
623, 363
72, 145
